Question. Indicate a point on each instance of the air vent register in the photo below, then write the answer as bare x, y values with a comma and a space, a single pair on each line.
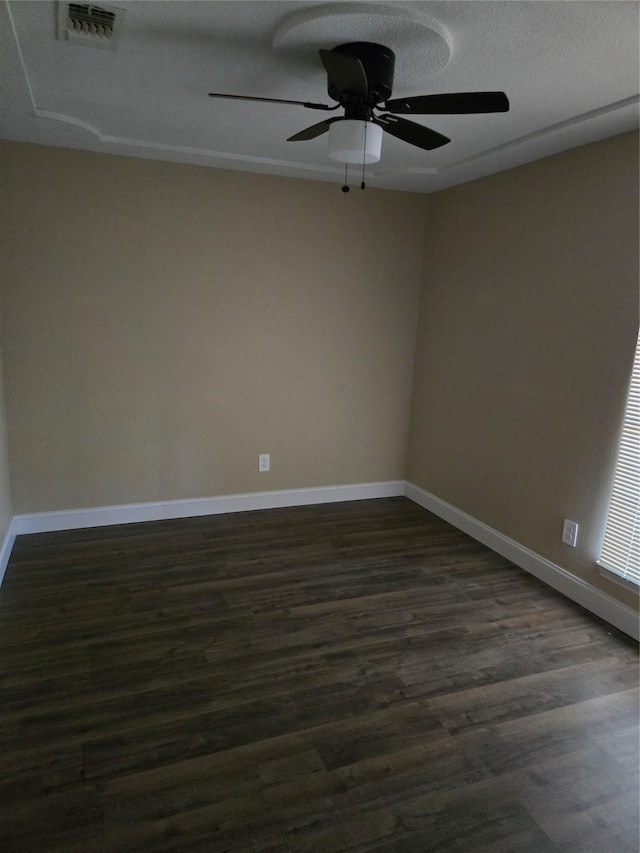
94, 26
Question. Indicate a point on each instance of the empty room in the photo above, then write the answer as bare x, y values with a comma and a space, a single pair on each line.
319, 427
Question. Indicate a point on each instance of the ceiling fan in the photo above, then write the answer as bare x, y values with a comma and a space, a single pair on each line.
360, 79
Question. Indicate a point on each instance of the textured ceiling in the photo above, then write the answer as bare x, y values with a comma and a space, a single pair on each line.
570, 70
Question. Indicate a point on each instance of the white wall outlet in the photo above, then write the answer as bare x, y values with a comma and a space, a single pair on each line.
264, 462
570, 533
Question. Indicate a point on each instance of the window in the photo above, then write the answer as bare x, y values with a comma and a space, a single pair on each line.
621, 546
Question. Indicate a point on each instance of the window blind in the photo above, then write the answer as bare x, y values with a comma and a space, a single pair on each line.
621, 546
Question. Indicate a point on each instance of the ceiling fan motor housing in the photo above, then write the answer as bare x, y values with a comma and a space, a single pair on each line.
378, 62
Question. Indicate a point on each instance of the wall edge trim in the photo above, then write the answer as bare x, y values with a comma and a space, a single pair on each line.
595, 600
72, 519
598, 602
6, 548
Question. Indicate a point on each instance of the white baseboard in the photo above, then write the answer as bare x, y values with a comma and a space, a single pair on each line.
45, 522
605, 606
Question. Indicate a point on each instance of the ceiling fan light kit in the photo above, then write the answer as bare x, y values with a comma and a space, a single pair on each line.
354, 141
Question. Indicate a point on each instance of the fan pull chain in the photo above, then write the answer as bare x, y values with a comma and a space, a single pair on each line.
364, 155
345, 188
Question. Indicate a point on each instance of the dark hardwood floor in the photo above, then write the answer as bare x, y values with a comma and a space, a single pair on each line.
344, 677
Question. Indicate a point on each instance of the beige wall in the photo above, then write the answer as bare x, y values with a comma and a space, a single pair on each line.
528, 323
164, 324
6, 508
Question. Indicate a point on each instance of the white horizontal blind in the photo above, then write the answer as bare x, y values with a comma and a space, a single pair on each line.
621, 546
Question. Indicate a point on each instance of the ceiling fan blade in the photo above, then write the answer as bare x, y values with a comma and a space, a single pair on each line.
459, 103
414, 134
346, 73
274, 101
313, 131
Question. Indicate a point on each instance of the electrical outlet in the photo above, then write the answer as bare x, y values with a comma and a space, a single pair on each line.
570, 533
264, 462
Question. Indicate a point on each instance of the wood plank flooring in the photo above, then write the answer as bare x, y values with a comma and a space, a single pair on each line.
345, 677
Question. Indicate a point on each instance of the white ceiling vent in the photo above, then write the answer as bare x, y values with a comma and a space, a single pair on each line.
94, 26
